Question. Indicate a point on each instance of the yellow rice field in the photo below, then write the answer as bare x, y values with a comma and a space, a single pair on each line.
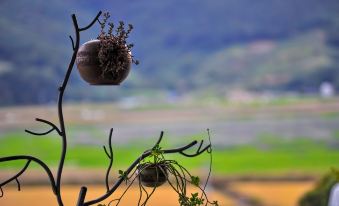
268, 193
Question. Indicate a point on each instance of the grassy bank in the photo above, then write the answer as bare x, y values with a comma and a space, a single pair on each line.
266, 155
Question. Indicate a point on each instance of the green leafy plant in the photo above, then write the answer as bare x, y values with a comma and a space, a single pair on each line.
123, 175
115, 53
178, 178
319, 196
155, 169
194, 200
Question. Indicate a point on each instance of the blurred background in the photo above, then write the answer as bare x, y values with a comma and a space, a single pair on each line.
261, 75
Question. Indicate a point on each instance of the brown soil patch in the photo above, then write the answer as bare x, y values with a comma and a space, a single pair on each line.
43, 195
273, 193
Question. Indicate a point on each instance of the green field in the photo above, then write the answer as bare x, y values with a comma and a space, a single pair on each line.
266, 155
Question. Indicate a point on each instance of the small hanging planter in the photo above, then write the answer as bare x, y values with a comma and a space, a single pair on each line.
93, 72
106, 60
152, 175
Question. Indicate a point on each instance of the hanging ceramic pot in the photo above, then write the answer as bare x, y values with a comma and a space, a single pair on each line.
152, 175
92, 71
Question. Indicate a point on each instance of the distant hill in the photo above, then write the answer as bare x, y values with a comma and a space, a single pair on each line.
183, 46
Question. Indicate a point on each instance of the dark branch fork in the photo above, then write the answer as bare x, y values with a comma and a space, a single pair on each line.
44, 133
15, 177
55, 181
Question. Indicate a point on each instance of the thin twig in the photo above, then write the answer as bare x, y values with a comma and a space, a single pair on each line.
39, 134
44, 133
36, 160
73, 47
180, 149
17, 175
211, 158
49, 123
123, 194
140, 192
159, 140
110, 156
18, 183
91, 24
149, 196
198, 152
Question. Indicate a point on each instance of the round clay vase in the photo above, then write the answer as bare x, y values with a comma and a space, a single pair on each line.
88, 65
152, 175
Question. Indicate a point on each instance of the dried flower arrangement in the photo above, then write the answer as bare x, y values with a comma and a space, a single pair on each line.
106, 60
115, 53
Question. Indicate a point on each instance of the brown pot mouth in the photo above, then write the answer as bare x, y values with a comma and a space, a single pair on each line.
88, 64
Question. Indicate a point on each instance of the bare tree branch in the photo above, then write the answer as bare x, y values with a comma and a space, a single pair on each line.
159, 140
44, 133
39, 134
110, 156
73, 47
15, 177
18, 183
198, 152
29, 159
91, 24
